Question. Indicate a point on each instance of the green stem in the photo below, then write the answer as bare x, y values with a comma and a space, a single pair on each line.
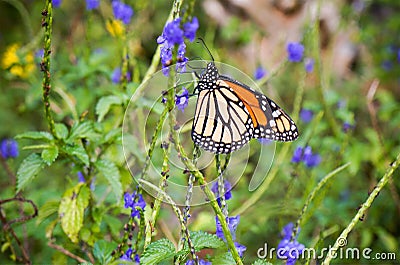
157, 204
210, 195
320, 74
342, 239
45, 65
177, 212
312, 195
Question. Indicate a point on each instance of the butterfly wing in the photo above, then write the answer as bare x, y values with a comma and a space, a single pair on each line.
222, 122
268, 119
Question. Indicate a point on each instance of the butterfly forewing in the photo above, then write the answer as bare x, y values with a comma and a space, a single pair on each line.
220, 124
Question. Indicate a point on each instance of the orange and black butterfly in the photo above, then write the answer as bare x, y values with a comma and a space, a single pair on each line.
229, 114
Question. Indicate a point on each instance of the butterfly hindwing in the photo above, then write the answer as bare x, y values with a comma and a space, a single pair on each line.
229, 113
269, 120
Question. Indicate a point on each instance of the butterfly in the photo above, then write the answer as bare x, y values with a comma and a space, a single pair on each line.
229, 114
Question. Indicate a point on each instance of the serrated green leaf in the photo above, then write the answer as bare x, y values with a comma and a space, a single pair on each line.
110, 171
224, 259
49, 155
201, 239
158, 251
72, 208
35, 135
102, 250
80, 130
48, 209
61, 130
29, 168
261, 262
104, 104
79, 152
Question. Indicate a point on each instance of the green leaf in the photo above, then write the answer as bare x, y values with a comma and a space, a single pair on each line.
80, 130
35, 135
61, 130
49, 155
104, 104
224, 259
158, 251
201, 239
72, 208
110, 171
48, 209
261, 262
102, 250
79, 152
29, 168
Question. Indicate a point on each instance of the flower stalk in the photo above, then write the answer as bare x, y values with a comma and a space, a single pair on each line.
363, 209
47, 22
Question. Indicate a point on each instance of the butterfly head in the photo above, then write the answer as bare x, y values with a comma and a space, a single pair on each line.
211, 74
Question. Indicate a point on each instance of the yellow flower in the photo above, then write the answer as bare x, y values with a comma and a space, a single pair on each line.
18, 66
115, 27
10, 56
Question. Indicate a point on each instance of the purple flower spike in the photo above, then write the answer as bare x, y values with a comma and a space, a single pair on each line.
182, 100
190, 29
259, 73
122, 11
295, 52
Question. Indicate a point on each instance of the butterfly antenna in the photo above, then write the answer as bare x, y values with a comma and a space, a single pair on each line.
205, 46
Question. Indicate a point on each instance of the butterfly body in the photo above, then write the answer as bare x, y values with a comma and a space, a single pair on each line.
229, 114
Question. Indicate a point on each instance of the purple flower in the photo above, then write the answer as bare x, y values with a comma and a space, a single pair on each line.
227, 188
233, 223
39, 54
297, 155
81, 178
132, 202
190, 28
182, 100
137, 258
387, 65
309, 65
289, 250
201, 262
116, 75
92, 4
259, 73
347, 127
173, 33
56, 3
9, 148
295, 51
127, 255
122, 11
181, 59
287, 231
310, 159
240, 248
306, 115
307, 156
